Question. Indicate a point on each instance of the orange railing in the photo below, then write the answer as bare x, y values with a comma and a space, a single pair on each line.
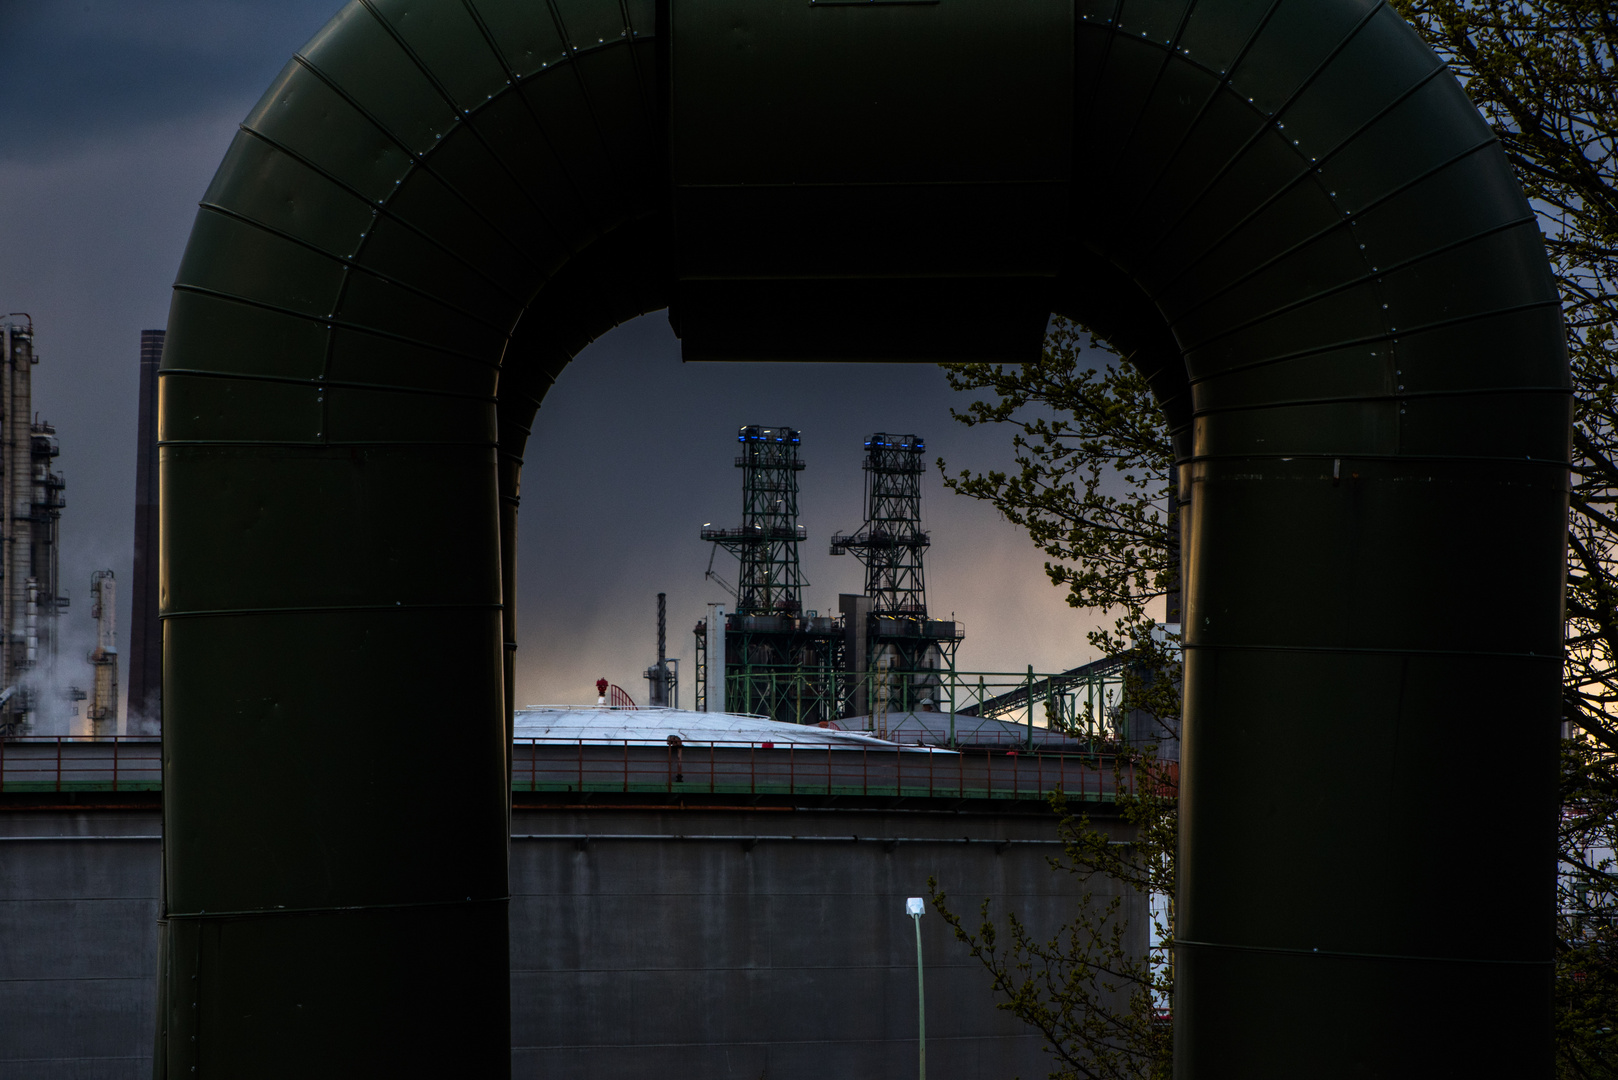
37, 764
736, 768
68, 763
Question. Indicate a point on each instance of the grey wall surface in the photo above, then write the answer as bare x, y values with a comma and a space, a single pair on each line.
78, 944
789, 958
687, 943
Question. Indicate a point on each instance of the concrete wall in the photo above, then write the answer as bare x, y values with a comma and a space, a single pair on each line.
78, 944
650, 941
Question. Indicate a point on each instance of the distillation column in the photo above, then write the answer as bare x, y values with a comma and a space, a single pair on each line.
103, 708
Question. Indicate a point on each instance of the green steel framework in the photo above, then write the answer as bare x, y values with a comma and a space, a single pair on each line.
1288, 217
788, 671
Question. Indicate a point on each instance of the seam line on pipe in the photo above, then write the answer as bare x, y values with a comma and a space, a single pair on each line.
1221, 84
1371, 277
1377, 650
333, 322
344, 909
326, 384
1411, 459
1346, 221
528, 428
1314, 168
463, 117
1268, 119
1387, 335
1338, 954
382, 209
319, 609
593, 228
1373, 274
1168, 56
1383, 396
352, 263
419, 161
646, 80
619, 169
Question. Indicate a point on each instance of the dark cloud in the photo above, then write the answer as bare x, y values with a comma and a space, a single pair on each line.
77, 71
633, 452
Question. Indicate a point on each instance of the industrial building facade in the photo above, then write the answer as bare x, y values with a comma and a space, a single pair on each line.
31, 597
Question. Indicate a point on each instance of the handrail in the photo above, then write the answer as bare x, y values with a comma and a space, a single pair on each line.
58, 763
765, 767
630, 766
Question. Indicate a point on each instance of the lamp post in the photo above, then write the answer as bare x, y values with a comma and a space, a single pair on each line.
916, 909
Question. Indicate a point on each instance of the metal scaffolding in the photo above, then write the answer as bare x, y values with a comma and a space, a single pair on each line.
891, 541
31, 596
900, 641
770, 581
103, 708
779, 661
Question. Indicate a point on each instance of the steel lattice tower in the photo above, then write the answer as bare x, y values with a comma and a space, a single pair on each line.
903, 651
891, 541
770, 581
778, 660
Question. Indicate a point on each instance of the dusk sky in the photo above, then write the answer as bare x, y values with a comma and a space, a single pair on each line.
117, 114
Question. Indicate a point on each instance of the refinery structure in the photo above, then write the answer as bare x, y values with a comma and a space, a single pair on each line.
31, 594
773, 831
896, 650
31, 597
882, 656
769, 655
433, 211
39, 692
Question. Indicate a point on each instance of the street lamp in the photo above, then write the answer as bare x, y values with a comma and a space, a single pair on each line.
916, 909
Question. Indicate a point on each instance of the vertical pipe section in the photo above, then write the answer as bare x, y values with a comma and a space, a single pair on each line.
716, 659
1378, 407
338, 525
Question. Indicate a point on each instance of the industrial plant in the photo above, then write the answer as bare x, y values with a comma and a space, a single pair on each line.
770, 656
350, 855
881, 662
39, 691
832, 763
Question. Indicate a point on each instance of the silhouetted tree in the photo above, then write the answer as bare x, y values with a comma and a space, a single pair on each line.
1092, 488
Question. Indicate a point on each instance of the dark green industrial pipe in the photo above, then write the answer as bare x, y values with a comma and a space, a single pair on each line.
1284, 211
